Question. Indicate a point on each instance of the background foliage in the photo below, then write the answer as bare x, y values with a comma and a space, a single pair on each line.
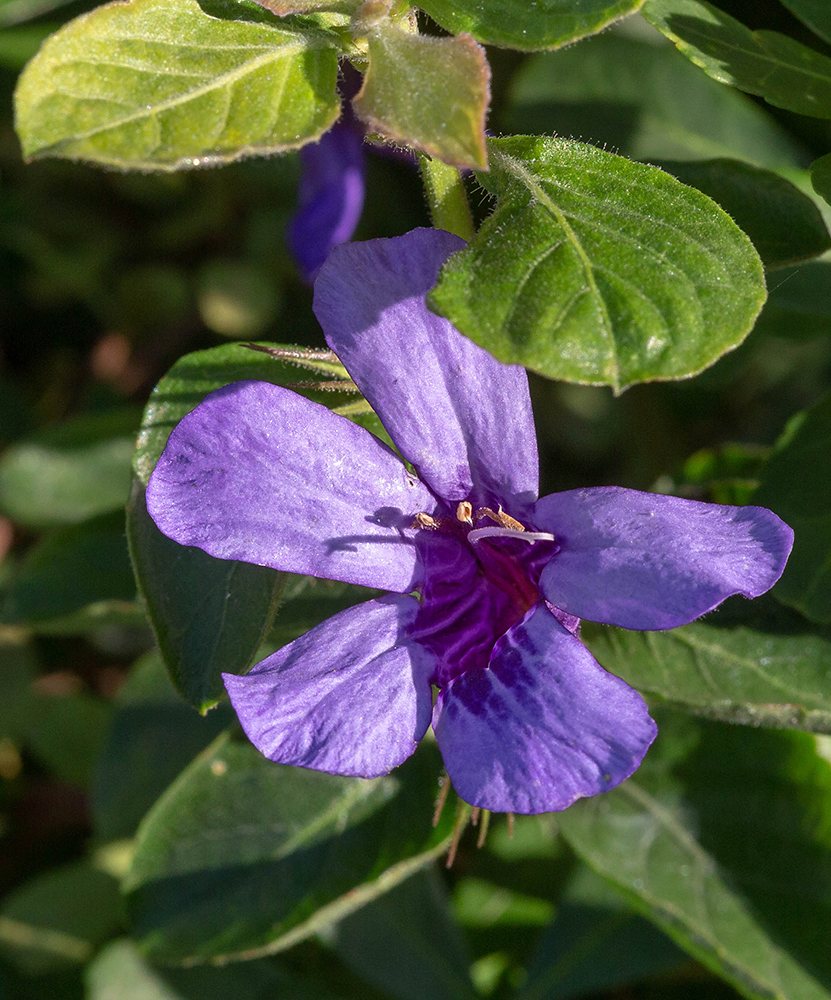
148, 851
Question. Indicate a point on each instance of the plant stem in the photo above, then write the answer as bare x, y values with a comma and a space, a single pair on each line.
446, 195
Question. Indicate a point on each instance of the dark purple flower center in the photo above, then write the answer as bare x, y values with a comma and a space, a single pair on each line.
482, 574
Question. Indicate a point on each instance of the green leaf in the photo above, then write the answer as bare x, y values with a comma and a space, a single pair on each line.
757, 664
723, 839
821, 177
17, 670
120, 972
59, 918
646, 101
80, 567
779, 69
617, 273
65, 732
307, 601
799, 302
161, 85
242, 857
796, 484
154, 735
815, 13
18, 45
407, 944
516, 24
195, 375
596, 942
783, 224
427, 92
70, 473
209, 615
726, 474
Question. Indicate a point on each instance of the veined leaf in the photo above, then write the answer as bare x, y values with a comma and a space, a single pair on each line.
784, 72
646, 101
617, 272
242, 857
755, 664
160, 84
518, 24
723, 839
431, 93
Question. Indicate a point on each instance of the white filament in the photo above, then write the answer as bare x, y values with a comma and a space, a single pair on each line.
524, 536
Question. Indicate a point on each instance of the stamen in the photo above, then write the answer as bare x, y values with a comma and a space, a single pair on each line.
474, 816
423, 520
483, 830
501, 518
524, 536
442, 799
464, 512
510, 826
458, 829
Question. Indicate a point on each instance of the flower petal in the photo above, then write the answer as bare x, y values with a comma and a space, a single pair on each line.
350, 697
260, 474
461, 417
543, 726
645, 561
330, 196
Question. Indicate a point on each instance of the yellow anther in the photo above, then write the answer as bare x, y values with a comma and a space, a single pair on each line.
423, 520
501, 518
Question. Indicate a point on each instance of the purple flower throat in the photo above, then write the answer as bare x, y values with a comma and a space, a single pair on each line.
482, 574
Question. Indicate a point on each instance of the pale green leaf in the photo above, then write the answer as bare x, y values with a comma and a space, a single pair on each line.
160, 84
427, 92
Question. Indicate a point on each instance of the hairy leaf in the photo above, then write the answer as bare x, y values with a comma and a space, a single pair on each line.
431, 93
162, 85
518, 24
617, 272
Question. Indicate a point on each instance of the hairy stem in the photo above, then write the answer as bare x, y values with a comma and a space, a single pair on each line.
446, 195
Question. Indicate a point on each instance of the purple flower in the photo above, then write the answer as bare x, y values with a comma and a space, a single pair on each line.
488, 582
330, 195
